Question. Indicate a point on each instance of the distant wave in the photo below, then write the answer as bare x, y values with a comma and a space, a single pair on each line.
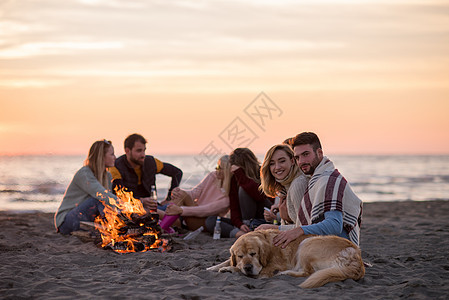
398, 180
33, 200
44, 188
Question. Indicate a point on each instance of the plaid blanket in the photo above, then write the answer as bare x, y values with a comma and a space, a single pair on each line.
328, 190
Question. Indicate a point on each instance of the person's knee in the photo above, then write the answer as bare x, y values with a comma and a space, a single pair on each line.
210, 223
69, 225
63, 230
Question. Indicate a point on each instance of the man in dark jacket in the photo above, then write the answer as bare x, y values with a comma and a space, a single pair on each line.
136, 172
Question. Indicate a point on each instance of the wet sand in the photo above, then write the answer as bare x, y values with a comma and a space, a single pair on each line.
406, 242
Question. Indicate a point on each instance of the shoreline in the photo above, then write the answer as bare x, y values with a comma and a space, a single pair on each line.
35, 211
406, 242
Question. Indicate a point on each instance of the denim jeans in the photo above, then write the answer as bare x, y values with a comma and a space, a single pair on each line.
86, 211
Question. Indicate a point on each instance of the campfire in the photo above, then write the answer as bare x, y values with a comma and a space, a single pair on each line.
127, 227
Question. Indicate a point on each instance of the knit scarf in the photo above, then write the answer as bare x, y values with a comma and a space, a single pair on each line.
328, 190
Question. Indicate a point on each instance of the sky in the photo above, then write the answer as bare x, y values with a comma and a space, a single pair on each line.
194, 77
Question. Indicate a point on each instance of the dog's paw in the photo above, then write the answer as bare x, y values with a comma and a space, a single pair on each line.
217, 268
281, 273
278, 273
227, 269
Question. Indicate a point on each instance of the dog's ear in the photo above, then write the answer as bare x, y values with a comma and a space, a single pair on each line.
265, 253
233, 258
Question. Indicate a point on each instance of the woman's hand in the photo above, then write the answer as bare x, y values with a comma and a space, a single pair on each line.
283, 210
173, 209
270, 215
234, 168
178, 196
245, 228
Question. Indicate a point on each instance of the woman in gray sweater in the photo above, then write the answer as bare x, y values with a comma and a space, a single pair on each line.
90, 184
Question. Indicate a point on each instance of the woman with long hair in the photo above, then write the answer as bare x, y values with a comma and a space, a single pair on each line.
247, 202
209, 198
89, 189
281, 177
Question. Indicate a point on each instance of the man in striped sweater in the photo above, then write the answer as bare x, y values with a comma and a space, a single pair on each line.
329, 205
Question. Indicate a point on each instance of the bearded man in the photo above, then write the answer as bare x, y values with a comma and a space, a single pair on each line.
137, 171
329, 205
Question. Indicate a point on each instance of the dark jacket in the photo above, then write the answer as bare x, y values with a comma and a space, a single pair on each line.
130, 179
251, 187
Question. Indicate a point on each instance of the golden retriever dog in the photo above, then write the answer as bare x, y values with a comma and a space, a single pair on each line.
323, 258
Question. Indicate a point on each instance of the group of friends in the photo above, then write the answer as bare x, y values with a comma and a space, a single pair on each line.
296, 189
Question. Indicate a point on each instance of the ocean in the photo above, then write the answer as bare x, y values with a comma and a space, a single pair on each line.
37, 183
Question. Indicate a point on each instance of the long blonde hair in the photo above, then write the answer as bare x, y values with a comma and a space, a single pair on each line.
225, 183
269, 185
245, 159
95, 161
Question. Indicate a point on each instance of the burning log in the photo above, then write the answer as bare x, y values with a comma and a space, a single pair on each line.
139, 225
127, 227
147, 220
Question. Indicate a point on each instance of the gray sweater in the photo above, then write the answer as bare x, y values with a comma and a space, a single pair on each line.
83, 186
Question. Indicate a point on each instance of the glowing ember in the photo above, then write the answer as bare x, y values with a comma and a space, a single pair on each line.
127, 227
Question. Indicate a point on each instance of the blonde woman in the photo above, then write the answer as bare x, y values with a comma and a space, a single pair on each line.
209, 198
246, 201
280, 176
90, 184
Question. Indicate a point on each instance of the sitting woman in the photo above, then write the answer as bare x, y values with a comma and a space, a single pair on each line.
247, 202
90, 184
335, 208
280, 176
209, 198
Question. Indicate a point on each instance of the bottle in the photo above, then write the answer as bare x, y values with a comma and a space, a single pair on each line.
153, 193
217, 229
194, 234
153, 196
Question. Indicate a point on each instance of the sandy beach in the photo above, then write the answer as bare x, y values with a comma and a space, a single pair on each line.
406, 242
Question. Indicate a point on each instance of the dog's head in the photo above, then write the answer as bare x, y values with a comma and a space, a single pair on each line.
251, 252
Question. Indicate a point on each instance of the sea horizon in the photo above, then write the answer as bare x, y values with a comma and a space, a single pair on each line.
37, 182
256, 153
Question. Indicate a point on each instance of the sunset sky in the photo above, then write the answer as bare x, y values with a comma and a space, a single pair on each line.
368, 76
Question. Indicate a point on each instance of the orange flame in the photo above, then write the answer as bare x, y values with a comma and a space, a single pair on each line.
112, 224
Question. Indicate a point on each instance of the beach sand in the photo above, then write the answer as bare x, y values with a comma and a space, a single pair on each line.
406, 242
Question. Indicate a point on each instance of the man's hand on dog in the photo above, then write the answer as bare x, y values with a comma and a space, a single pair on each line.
285, 237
